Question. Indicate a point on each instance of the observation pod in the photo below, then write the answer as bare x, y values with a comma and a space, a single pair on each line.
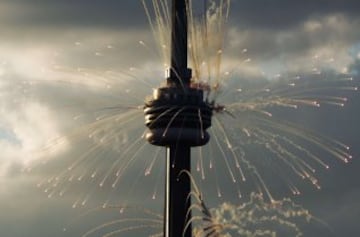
177, 117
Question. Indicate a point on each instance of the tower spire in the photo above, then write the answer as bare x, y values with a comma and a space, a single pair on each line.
179, 74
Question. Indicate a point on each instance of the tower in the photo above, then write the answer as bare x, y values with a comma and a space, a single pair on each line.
177, 117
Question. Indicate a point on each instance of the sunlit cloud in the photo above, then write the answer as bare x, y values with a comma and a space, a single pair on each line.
25, 133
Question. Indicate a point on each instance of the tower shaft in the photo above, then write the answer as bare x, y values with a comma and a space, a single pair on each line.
178, 187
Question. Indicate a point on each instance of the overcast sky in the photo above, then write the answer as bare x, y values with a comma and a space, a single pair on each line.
63, 58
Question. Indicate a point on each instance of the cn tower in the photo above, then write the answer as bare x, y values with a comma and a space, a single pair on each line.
177, 117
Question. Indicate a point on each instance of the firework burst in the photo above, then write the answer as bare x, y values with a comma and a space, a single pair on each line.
256, 136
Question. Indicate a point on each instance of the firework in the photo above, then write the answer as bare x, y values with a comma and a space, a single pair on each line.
256, 141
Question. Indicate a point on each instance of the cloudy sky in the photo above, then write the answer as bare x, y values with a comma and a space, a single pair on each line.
60, 59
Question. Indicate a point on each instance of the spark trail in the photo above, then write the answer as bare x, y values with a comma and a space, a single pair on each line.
253, 218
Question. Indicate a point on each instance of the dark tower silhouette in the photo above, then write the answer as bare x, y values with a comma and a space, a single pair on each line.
177, 117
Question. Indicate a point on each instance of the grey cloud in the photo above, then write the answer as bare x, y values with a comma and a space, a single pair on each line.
125, 14
330, 37
70, 14
282, 14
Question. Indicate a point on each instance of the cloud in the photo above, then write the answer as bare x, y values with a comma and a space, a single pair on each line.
72, 14
25, 132
282, 14
316, 44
